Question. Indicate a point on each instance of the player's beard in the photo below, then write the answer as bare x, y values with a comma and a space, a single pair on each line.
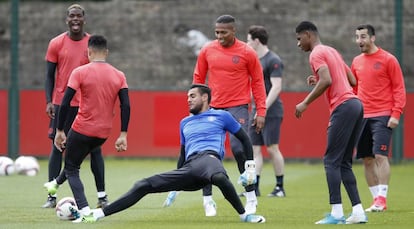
196, 109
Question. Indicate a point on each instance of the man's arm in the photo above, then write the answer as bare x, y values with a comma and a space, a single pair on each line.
125, 108
49, 86
121, 142
323, 83
181, 158
60, 137
274, 91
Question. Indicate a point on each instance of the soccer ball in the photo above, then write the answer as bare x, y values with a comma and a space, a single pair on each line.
6, 166
26, 165
62, 208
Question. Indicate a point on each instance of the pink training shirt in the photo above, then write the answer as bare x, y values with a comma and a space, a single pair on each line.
98, 84
68, 55
340, 89
380, 84
234, 73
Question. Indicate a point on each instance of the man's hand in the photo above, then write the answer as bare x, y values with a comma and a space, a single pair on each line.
311, 80
50, 110
248, 177
300, 108
60, 140
258, 122
393, 122
121, 142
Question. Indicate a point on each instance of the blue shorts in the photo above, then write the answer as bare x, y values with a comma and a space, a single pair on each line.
375, 137
270, 134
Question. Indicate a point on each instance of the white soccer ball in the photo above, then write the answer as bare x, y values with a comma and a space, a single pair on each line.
6, 166
27, 165
62, 208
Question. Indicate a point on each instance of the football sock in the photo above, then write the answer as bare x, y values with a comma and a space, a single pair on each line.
279, 181
101, 194
357, 209
374, 191
207, 199
85, 210
251, 195
337, 211
383, 190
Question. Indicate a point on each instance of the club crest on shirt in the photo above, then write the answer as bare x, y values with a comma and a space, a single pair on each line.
236, 59
211, 118
377, 65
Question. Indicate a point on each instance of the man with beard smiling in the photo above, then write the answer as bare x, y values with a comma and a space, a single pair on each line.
202, 137
66, 52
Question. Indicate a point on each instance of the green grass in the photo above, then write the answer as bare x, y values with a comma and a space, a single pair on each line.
306, 201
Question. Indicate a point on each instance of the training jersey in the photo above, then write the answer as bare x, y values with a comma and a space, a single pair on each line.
98, 84
207, 131
234, 73
67, 54
340, 89
272, 67
380, 84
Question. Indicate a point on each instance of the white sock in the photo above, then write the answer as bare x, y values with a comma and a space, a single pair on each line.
374, 191
337, 211
98, 213
207, 199
383, 190
251, 196
357, 210
243, 216
85, 210
101, 194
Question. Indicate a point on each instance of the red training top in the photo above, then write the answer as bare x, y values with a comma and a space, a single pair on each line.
98, 84
380, 84
233, 74
68, 55
340, 89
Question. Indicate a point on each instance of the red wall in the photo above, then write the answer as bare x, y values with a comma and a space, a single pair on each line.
155, 117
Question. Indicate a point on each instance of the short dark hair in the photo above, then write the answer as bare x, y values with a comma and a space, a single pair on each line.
368, 27
75, 6
225, 19
203, 89
306, 26
259, 32
97, 42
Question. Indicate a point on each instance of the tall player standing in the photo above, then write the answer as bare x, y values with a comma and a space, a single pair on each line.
66, 52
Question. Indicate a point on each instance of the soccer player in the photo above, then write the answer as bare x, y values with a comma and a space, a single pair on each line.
333, 78
272, 65
234, 73
380, 86
99, 85
202, 137
66, 52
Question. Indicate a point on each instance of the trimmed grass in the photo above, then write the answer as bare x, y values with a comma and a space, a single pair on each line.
306, 201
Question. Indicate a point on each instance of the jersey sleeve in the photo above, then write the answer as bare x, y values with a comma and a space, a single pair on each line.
201, 67
257, 83
52, 51
398, 87
230, 124
74, 79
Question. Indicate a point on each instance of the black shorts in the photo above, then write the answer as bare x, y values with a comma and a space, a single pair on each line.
270, 134
72, 112
194, 175
375, 137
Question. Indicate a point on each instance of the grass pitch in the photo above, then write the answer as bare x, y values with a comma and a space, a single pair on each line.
305, 185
